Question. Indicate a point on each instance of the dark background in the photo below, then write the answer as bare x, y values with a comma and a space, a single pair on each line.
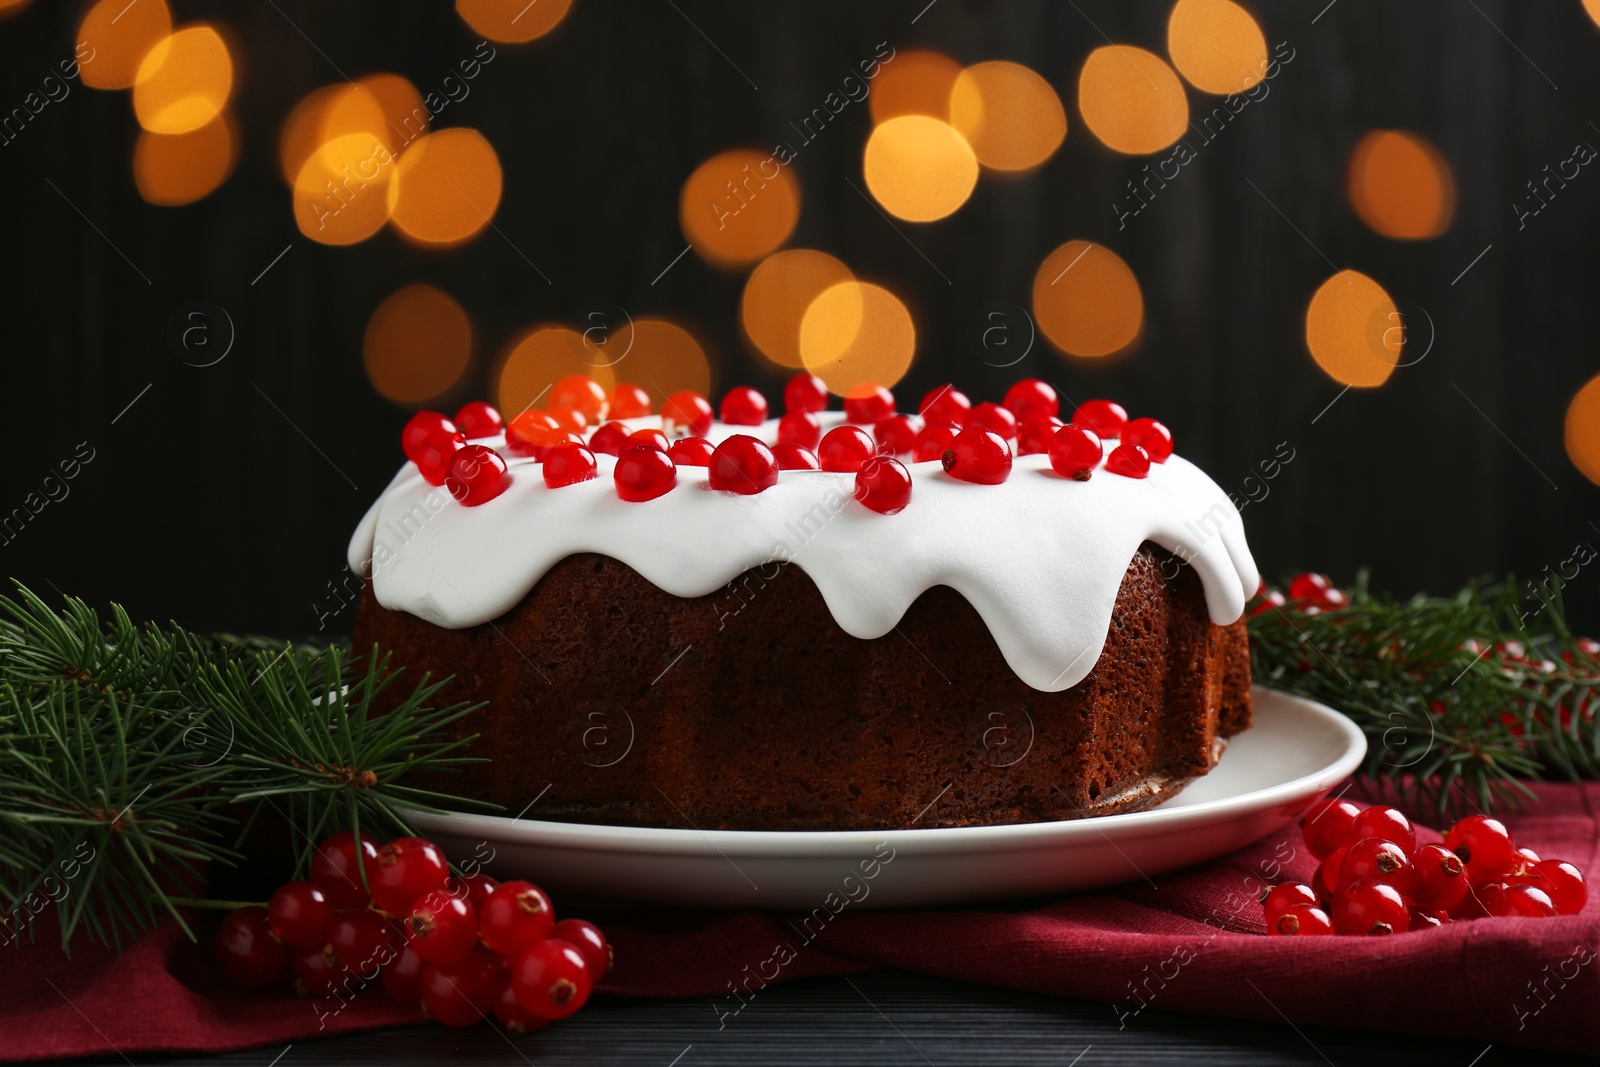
205, 504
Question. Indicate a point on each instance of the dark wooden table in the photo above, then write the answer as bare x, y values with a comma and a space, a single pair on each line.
882, 1019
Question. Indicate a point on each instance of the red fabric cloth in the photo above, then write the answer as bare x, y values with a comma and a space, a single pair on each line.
1192, 942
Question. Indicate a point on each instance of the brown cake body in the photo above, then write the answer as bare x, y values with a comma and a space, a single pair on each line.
612, 701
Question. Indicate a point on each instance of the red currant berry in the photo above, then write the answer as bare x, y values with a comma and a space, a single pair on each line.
1516, 899
994, 418
435, 454
362, 941
1150, 435
868, 404
1034, 435
423, 425
644, 473
1377, 860
743, 464
1563, 883
945, 404
440, 928
589, 941
247, 948
934, 441
609, 438
743, 406
1075, 451
461, 992
978, 455
569, 465
1387, 824
896, 434
580, 393
1031, 398
1280, 898
884, 485
1267, 601
1329, 823
1439, 879
515, 916
1367, 907
793, 457
1423, 920
1309, 587
1105, 417
1327, 881
551, 979
628, 402
477, 419
407, 868
844, 449
1484, 845
805, 392
402, 979
300, 913
513, 1016
337, 866
1130, 461
1301, 920
651, 438
1526, 857
692, 452
569, 419
800, 428
477, 475
687, 414
472, 888
317, 972
525, 436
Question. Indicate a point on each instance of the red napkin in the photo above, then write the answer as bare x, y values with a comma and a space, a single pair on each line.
1193, 941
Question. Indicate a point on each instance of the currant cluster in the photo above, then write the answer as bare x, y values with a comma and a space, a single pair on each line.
1376, 879
1309, 592
460, 947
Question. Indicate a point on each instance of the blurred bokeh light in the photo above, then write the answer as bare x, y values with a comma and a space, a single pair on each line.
538, 359
385, 107
738, 206
918, 168
417, 345
446, 187
1131, 100
1401, 185
180, 168
856, 333
184, 81
777, 295
1354, 330
121, 34
659, 355
1087, 301
512, 21
1216, 45
916, 82
1010, 116
1593, 8
341, 192
12, 7
1583, 425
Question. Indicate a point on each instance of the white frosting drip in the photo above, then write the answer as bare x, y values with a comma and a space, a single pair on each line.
1041, 557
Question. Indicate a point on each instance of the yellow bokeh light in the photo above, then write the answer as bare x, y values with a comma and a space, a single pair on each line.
855, 333
738, 206
918, 82
120, 35
777, 295
417, 345
512, 21
1354, 330
1087, 301
536, 361
180, 168
1216, 45
1593, 8
446, 187
1131, 99
385, 107
918, 168
183, 81
661, 356
1583, 424
1401, 185
341, 193
1010, 116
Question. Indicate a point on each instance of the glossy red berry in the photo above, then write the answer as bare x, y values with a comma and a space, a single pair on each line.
628, 402
743, 406
472, 888
513, 1016
687, 414
477, 419
1526, 857
1439, 879
407, 867
1150, 435
945, 404
644, 473
1368, 908
1105, 417
336, 867
590, 943
1423, 920
1280, 898
1329, 823
402, 978
248, 950
896, 434
1327, 881
317, 972
609, 438
933, 441
994, 418
1378, 860
1484, 845
805, 392
300, 913
1562, 882
1516, 899
743, 464
651, 439
568, 465
435, 455
570, 419
1031, 398
1301, 920
550, 979
420, 427
800, 428
477, 475
868, 404
461, 992
1267, 601
691, 452
1387, 824
1130, 461
363, 941
884, 485
978, 455
440, 928
515, 916
526, 434
1310, 588
793, 457
1034, 435
1075, 451
580, 393
844, 449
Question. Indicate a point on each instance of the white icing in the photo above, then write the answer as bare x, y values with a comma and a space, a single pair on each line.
1041, 557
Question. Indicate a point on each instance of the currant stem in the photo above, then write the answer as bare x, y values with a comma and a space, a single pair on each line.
218, 905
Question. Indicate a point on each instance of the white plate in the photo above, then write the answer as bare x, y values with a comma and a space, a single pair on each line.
1268, 775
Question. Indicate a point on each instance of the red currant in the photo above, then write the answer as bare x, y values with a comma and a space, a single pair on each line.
1329, 823
337, 866
1075, 451
551, 979
994, 418
644, 473
441, 928
793, 457
609, 438
1439, 878
628, 402
1267, 601
1367, 907
402, 979
568, 465
1387, 824
317, 972
1562, 882
477, 475
247, 948
800, 428
945, 404
884, 485
435, 454
692, 452
934, 441
844, 449
1516, 899
896, 434
423, 425
651, 438
362, 941
1301, 920
743, 464
687, 414
472, 888
1280, 898
515, 916
1105, 417
580, 393
1525, 858
1031, 398
589, 941
743, 406
978, 455
1034, 435
805, 392
1327, 879
1378, 860
1484, 845
1150, 435
1422, 920
461, 992
513, 1016
1130, 461
300, 913
1310, 587
477, 419
525, 436
407, 868
569, 419
868, 404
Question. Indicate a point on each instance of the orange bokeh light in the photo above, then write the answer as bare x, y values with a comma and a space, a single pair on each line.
738, 206
1131, 99
121, 34
12, 7
341, 193
536, 361
417, 345
1217, 45
183, 81
1583, 428
918, 168
855, 333
1087, 300
1401, 185
918, 82
386, 107
512, 21
1593, 8
661, 356
446, 187
1354, 330
1010, 116
777, 295
180, 168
